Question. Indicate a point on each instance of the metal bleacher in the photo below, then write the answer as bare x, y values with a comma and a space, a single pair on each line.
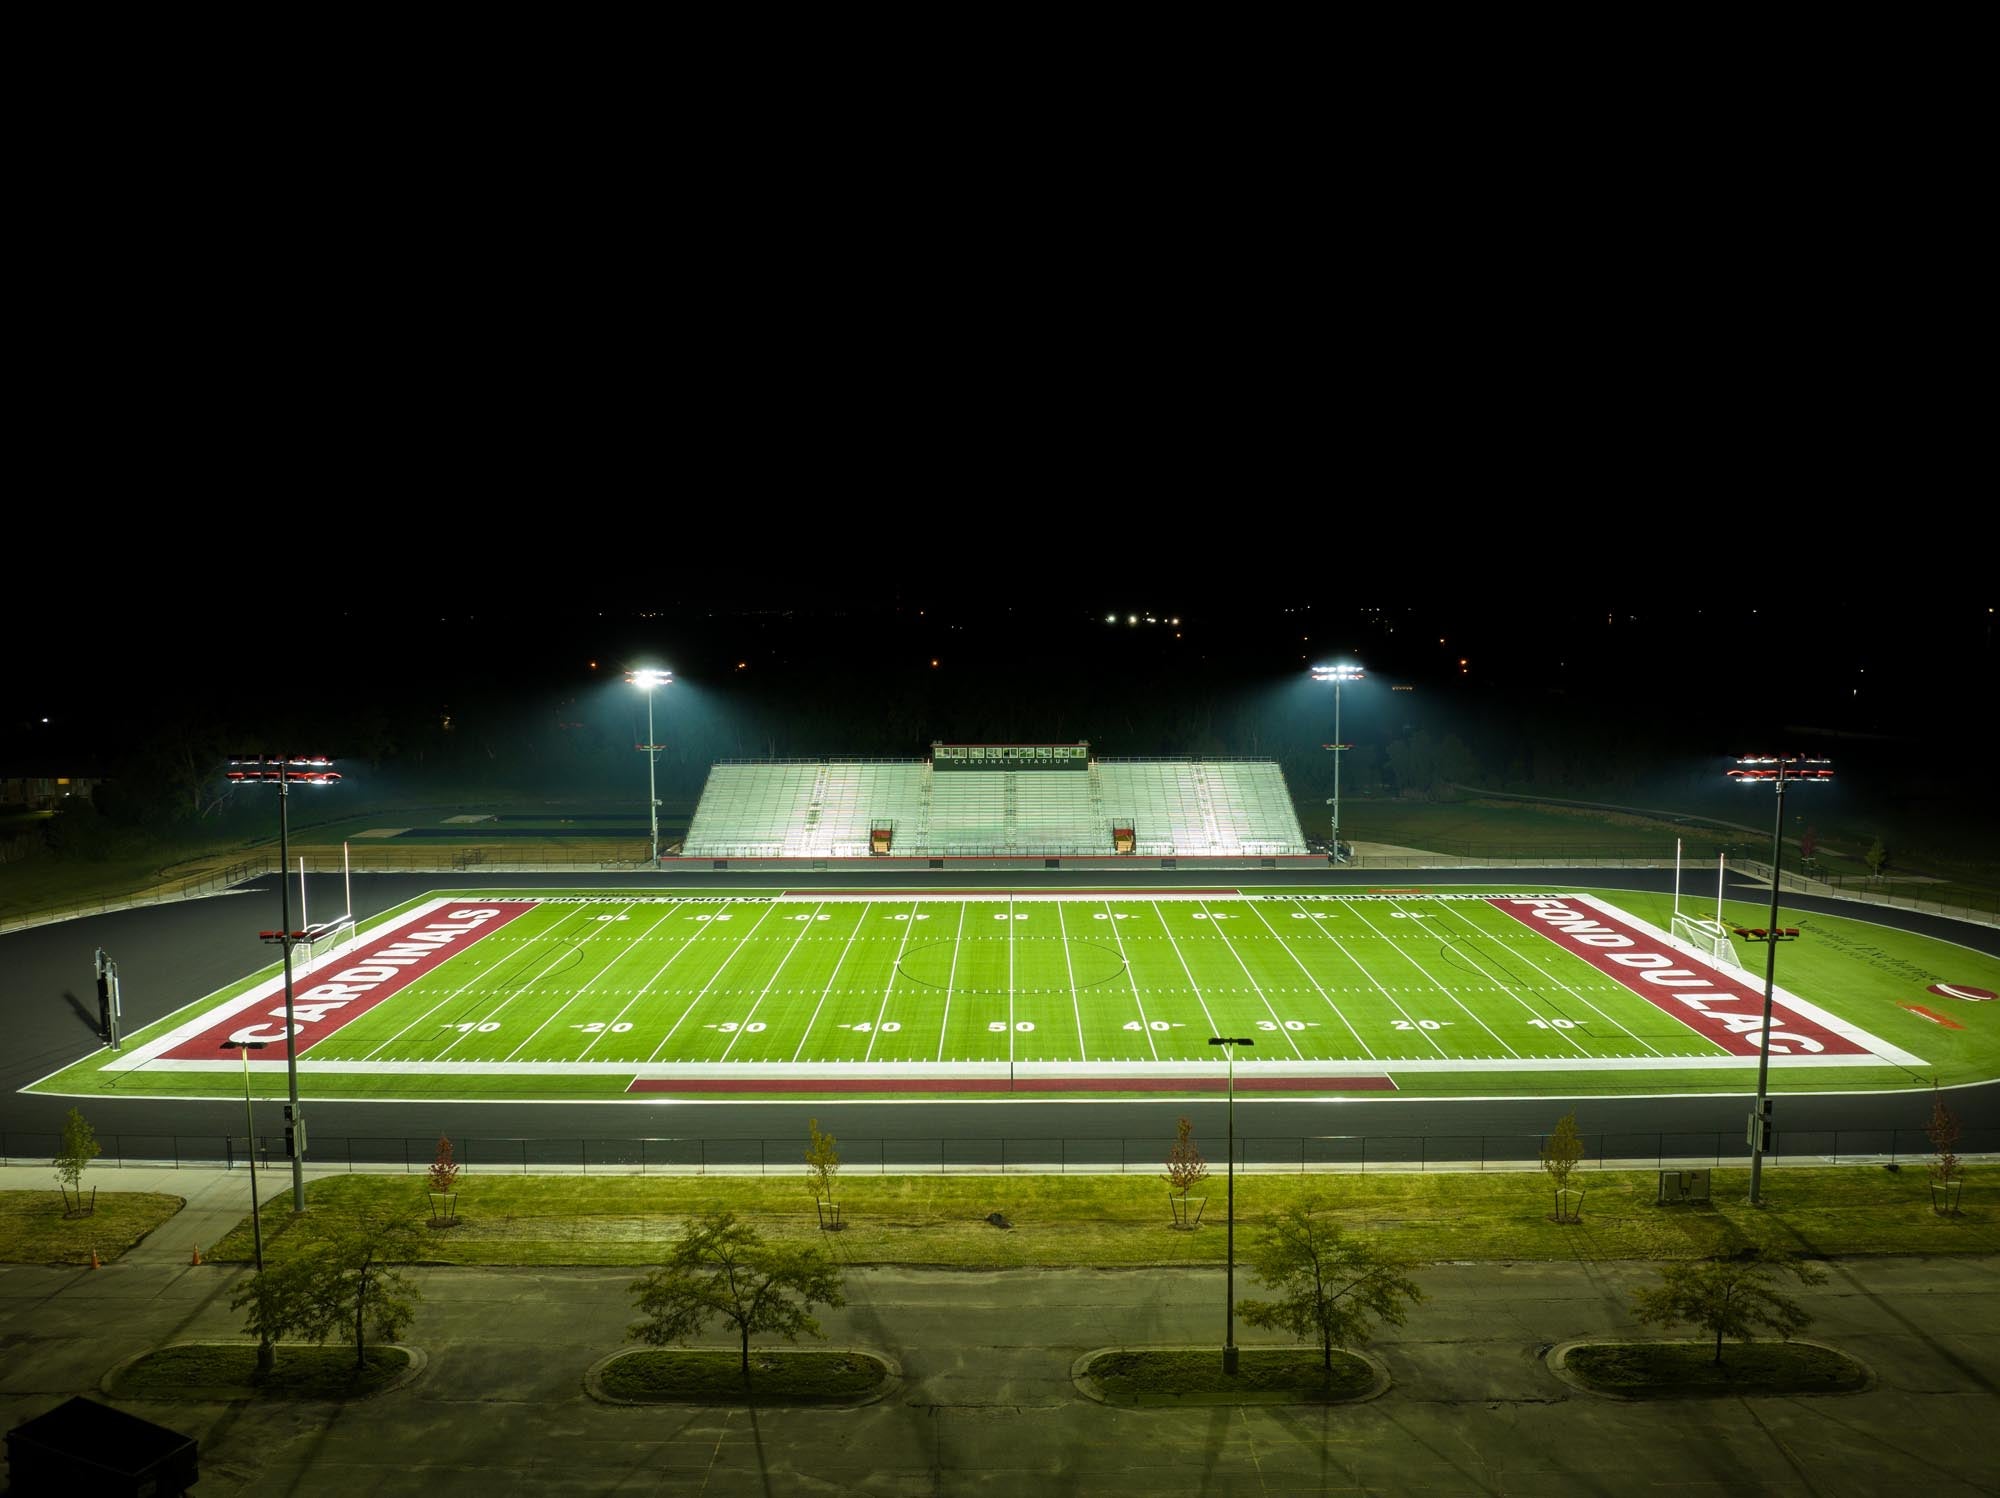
828, 808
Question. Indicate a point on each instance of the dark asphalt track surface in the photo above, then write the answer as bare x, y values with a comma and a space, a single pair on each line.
170, 955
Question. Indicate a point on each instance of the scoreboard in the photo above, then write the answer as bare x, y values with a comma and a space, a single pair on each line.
1010, 756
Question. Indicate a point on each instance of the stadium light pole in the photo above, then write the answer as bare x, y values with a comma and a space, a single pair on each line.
266, 1353
283, 770
1819, 770
646, 678
1338, 674
250, 1128
1229, 1043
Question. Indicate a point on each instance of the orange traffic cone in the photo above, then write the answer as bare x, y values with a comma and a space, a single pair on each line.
93, 1259
197, 1255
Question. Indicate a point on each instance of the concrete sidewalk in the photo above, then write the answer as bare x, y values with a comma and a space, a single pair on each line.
986, 1405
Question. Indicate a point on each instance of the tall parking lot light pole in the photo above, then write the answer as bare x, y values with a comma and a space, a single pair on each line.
1756, 771
1229, 1043
646, 678
1338, 674
282, 770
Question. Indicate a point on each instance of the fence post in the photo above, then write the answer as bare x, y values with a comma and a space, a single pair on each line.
1003, 1155
1062, 1157
1423, 1152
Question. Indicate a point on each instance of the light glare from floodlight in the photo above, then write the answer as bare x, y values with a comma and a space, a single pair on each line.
649, 677
1338, 673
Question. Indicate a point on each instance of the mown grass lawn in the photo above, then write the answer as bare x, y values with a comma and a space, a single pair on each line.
228, 1370
33, 1229
1264, 1375
776, 1376
1668, 1370
1114, 1221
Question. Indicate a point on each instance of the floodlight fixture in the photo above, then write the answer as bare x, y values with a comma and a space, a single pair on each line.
646, 678
1341, 672
1773, 769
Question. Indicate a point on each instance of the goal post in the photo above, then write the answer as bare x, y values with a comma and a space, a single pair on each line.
1709, 937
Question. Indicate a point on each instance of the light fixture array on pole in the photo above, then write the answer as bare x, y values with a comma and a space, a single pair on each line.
1229, 1043
1339, 674
282, 770
646, 678
1775, 770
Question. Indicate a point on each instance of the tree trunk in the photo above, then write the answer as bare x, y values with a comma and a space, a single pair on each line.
746, 1356
267, 1356
1326, 1353
1718, 1349
360, 1311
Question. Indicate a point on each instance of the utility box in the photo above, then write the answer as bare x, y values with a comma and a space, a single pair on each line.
83, 1449
1683, 1187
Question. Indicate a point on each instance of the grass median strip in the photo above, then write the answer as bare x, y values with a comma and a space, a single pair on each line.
33, 1229
1283, 1375
228, 1370
776, 1377
1120, 1221
1671, 1370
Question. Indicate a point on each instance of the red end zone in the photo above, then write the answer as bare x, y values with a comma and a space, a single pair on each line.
1712, 1002
351, 984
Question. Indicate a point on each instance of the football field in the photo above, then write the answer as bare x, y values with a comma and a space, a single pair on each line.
799, 992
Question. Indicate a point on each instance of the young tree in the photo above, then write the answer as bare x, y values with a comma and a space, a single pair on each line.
443, 1184
326, 1284
1326, 1285
1878, 858
822, 1165
1185, 1170
1947, 1170
1561, 1152
722, 1267
1729, 1297
79, 1147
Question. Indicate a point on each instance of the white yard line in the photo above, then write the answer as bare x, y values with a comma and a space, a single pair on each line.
1258, 908
1145, 1025
699, 932
481, 975
492, 1014
1552, 978
721, 967
1184, 967
740, 1031
1341, 947
1276, 1023
1076, 1008
957, 940
1397, 949
832, 978
586, 987
894, 967
1010, 980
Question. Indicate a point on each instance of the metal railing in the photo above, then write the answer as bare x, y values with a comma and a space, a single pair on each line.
968, 1155
1842, 887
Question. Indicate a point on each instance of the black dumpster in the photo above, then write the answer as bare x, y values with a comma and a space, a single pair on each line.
84, 1449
